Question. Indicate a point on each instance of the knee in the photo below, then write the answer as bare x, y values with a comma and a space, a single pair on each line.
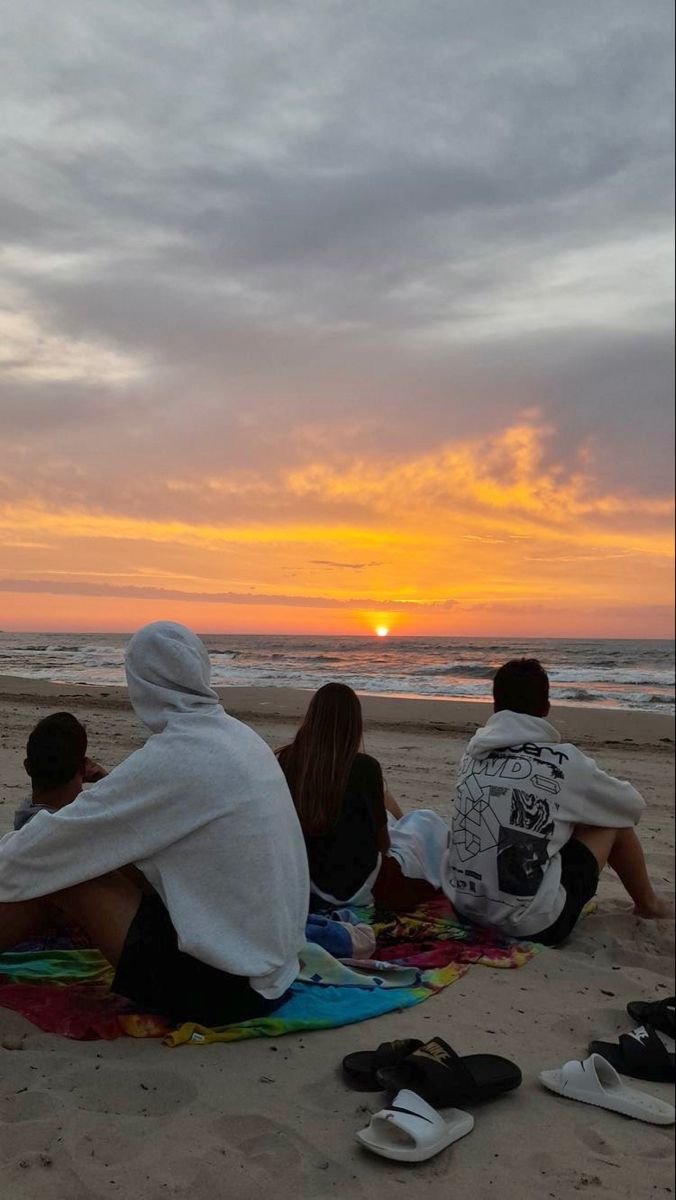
67, 900
71, 899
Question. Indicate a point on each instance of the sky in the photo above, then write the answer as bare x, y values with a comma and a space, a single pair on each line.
331, 314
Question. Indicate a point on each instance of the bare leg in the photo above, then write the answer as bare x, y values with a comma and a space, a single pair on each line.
25, 919
621, 850
392, 806
103, 907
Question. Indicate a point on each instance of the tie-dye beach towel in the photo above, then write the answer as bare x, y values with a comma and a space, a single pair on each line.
67, 990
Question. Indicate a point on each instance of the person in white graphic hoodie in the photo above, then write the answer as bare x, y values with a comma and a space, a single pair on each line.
203, 811
536, 821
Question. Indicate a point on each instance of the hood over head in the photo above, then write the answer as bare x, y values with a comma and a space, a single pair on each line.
508, 728
168, 673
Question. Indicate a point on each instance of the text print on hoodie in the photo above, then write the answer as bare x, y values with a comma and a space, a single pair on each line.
521, 792
203, 810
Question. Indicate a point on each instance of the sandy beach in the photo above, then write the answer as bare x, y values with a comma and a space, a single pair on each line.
134, 1118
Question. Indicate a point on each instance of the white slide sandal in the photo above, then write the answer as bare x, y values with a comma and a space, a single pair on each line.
595, 1081
410, 1130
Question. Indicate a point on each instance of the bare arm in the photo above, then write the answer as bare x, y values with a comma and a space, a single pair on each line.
93, 771
391, 805
383, 840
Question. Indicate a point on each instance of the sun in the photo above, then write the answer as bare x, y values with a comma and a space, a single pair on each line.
381, 630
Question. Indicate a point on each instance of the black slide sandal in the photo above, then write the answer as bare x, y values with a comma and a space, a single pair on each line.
641, 1055
444, 1079
660, 1014
361, 1067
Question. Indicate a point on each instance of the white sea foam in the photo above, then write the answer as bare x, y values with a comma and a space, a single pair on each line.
626, 674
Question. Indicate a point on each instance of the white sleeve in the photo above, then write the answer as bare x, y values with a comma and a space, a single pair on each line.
609, 802
57, 850
121, 820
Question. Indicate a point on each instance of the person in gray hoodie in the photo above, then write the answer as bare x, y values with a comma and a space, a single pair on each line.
203, 811
536, 821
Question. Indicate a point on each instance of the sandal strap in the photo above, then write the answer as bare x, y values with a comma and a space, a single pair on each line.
641, 1045
389, 1053
438, 1054
657, 1013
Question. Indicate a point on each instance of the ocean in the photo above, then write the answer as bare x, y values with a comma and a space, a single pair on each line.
607, 673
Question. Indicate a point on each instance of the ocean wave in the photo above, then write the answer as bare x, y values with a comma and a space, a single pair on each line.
458, 670
626, 676
581, 695
629, 675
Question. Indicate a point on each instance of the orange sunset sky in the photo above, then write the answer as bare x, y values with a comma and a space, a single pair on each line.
310, 324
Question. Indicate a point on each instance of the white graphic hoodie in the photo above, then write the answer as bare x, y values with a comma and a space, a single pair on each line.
521, 792
204, 812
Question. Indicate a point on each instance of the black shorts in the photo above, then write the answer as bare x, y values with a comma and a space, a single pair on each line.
160, 978
580, 879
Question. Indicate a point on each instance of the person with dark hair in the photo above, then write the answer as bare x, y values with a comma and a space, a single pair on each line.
536, 821
57, 763
360, 846
521, 685
203, 812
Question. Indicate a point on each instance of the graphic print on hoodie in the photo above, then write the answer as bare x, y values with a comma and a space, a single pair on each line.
520, 794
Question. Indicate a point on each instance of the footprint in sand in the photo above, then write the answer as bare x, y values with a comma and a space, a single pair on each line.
622, 940
634, 1141
40, 1176
225, 1174
286, 1156
110, 1143
659, 861
26, 1105
13, 1041
324, 1094
108, 1089
542, 1162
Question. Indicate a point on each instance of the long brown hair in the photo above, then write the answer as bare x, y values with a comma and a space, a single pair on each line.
318, 761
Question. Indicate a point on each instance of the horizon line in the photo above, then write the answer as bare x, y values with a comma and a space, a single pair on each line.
479, 637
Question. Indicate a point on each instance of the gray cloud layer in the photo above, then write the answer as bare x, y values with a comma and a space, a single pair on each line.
55, 587
245, 232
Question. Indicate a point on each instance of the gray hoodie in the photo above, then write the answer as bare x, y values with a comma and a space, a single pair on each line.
521, 792
27, 810
204, 812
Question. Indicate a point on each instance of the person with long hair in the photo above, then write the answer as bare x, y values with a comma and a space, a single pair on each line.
360, 846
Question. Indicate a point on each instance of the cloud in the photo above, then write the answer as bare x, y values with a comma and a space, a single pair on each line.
348, 566
55, 587
28, 353
299, 268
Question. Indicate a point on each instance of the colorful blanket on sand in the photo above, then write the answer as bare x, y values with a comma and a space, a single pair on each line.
67, 990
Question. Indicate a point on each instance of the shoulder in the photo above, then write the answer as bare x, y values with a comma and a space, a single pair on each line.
569, 753
25, 812
364, 764
366, 777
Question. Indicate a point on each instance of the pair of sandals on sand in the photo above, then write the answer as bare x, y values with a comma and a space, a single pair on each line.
641, 1055
431, 1075
424, 1077
644, 1054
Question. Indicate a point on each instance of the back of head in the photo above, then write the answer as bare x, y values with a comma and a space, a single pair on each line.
318, 761
56, 751
168, 672
522, 686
